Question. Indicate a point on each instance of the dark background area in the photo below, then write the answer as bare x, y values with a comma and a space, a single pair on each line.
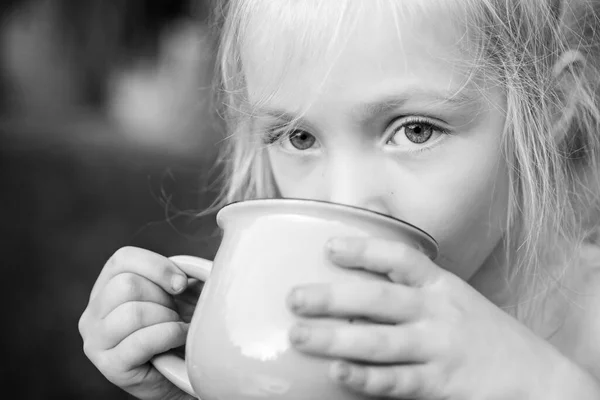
106, 140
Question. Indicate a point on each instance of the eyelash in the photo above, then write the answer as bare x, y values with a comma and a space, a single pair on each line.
274, 135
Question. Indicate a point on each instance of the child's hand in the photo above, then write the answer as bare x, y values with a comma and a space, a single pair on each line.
432, 337
132, 316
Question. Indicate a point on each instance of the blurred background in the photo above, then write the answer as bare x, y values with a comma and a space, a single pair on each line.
107, 139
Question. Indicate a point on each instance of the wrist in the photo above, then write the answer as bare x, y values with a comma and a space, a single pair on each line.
565, 380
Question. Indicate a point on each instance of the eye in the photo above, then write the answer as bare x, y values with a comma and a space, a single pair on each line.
301, 140
413, 131
291, 139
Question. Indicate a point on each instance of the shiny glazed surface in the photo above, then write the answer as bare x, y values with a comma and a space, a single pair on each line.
238, 347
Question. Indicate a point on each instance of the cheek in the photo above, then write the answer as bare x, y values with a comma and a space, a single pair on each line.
298, 177
465, 210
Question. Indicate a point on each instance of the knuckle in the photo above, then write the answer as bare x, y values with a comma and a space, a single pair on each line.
88, 330
88, 349
100, 359
380, 295
455, 314
404, 385
383, 293
383, 385
103, 362
129, 285
81, 324
120, 256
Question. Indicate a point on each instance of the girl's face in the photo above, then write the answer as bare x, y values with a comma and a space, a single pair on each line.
389, 122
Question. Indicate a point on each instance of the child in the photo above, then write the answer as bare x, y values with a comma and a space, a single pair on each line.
476, 121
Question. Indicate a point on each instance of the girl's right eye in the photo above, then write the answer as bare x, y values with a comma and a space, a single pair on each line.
294, 140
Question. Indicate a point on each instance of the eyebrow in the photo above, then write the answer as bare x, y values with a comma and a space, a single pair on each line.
451, 100
429, 98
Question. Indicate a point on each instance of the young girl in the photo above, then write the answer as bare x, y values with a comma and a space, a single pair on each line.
476, 120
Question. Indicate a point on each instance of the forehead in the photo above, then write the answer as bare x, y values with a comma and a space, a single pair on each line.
313, 48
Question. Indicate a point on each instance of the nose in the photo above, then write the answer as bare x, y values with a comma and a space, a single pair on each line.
359, 181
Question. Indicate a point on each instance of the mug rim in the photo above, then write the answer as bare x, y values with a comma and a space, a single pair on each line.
366, 212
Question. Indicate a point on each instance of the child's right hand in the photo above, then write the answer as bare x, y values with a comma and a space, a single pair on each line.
133, 315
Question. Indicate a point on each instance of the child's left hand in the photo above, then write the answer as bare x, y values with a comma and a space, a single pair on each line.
433, 336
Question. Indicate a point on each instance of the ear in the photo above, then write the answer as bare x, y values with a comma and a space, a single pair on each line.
564, 74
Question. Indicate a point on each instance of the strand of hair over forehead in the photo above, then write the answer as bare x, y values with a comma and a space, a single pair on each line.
325, 17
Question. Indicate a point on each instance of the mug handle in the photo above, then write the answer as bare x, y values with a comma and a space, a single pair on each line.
169, 364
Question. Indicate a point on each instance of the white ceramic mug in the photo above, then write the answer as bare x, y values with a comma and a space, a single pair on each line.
237, 346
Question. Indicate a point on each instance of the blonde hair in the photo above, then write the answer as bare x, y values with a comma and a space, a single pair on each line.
553, 202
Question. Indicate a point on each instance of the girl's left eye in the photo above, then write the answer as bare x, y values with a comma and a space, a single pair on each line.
414, 132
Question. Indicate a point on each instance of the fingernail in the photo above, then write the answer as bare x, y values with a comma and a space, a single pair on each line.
341, 371
178, 283
297, 299
299, 334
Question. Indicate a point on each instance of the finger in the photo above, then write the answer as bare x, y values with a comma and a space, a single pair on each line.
131, 317
364, 342
128, 287
152, 266
383, 302
397, 382
139, 347
401, 262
